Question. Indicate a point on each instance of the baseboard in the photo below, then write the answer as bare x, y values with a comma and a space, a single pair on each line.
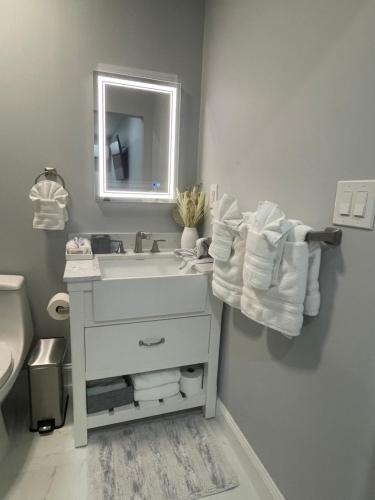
262, 481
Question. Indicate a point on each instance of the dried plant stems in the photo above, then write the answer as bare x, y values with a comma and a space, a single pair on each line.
189, 210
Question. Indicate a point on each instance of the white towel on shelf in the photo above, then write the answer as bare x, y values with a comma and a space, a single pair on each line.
227, 281
226, 220
50, 200
155, 378
267, 231
282, 306
155, 393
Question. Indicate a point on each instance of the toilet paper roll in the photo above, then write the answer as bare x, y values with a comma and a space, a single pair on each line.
191, 380
58, 306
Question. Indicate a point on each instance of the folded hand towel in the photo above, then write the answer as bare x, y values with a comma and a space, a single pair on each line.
312, 298
155, 378
227, 218
227, 276
281, 307
154, 393
50, 200
204, 265
200, 251
78, 245
267, 230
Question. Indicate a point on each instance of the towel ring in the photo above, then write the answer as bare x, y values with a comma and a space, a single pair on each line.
50, 172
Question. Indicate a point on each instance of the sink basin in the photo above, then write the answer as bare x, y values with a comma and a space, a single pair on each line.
146, 285
139, 266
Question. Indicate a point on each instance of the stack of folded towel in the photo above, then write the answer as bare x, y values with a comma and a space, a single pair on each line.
50, 200
159, 384
197, 258
227, 249
78, 245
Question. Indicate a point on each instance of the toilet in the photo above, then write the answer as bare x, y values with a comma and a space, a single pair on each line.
16, 334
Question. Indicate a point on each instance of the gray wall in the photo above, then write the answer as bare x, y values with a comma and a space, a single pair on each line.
289, 109
48, 50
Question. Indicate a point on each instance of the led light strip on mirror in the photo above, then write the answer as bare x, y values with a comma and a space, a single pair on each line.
172, 90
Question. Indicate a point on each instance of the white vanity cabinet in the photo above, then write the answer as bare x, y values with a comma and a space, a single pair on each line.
113, 347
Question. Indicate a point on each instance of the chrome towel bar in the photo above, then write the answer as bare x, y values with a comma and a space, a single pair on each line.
330, 235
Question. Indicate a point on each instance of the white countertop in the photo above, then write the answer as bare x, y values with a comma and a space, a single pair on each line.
82, 270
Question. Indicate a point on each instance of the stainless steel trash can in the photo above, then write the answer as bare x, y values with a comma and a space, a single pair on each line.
47, 400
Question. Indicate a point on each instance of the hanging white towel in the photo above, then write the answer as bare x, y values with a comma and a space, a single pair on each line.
154, 393
227, 281
226, 220
282, 306
155, 378
267, 231
50, 200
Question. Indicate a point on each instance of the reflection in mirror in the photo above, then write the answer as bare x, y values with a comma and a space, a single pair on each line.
136, 138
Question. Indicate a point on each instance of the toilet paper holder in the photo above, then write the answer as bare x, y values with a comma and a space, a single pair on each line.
62, 309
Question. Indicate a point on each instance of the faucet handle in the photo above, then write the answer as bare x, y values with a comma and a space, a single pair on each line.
155, 246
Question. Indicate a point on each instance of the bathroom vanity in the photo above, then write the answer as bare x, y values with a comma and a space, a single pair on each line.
136, 313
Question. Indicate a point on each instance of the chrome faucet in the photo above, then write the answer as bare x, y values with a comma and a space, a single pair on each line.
138, 240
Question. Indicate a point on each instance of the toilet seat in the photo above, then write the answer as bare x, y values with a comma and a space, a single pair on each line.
6, 363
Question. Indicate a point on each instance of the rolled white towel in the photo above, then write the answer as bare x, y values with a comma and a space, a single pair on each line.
156, 378
154, 393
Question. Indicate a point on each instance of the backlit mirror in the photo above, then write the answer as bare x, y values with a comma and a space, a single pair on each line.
136, 138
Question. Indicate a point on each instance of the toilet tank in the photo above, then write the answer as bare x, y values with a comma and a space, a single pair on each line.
16, 327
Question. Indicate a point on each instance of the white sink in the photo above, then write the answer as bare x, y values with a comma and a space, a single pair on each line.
146, 285
139, 265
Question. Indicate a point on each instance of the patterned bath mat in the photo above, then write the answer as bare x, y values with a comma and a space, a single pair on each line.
173, 458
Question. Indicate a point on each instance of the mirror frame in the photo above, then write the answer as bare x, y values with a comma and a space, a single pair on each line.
172, 89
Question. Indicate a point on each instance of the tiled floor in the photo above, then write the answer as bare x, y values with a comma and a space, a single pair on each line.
50, 468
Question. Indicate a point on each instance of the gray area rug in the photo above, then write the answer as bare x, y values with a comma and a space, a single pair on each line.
173, 458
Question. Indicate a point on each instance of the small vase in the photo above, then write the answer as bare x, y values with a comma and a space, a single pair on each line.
189, 237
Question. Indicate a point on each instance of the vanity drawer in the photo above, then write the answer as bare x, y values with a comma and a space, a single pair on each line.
145, 346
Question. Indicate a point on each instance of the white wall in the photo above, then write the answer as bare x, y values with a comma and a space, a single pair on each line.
289, 109
48, 50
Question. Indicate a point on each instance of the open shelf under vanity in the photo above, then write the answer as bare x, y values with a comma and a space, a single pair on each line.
143, 409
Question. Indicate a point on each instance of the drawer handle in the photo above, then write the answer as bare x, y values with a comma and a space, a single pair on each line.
151, 343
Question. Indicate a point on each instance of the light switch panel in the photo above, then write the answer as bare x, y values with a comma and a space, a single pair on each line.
360, 204
355, 204
346, 203
214, 191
